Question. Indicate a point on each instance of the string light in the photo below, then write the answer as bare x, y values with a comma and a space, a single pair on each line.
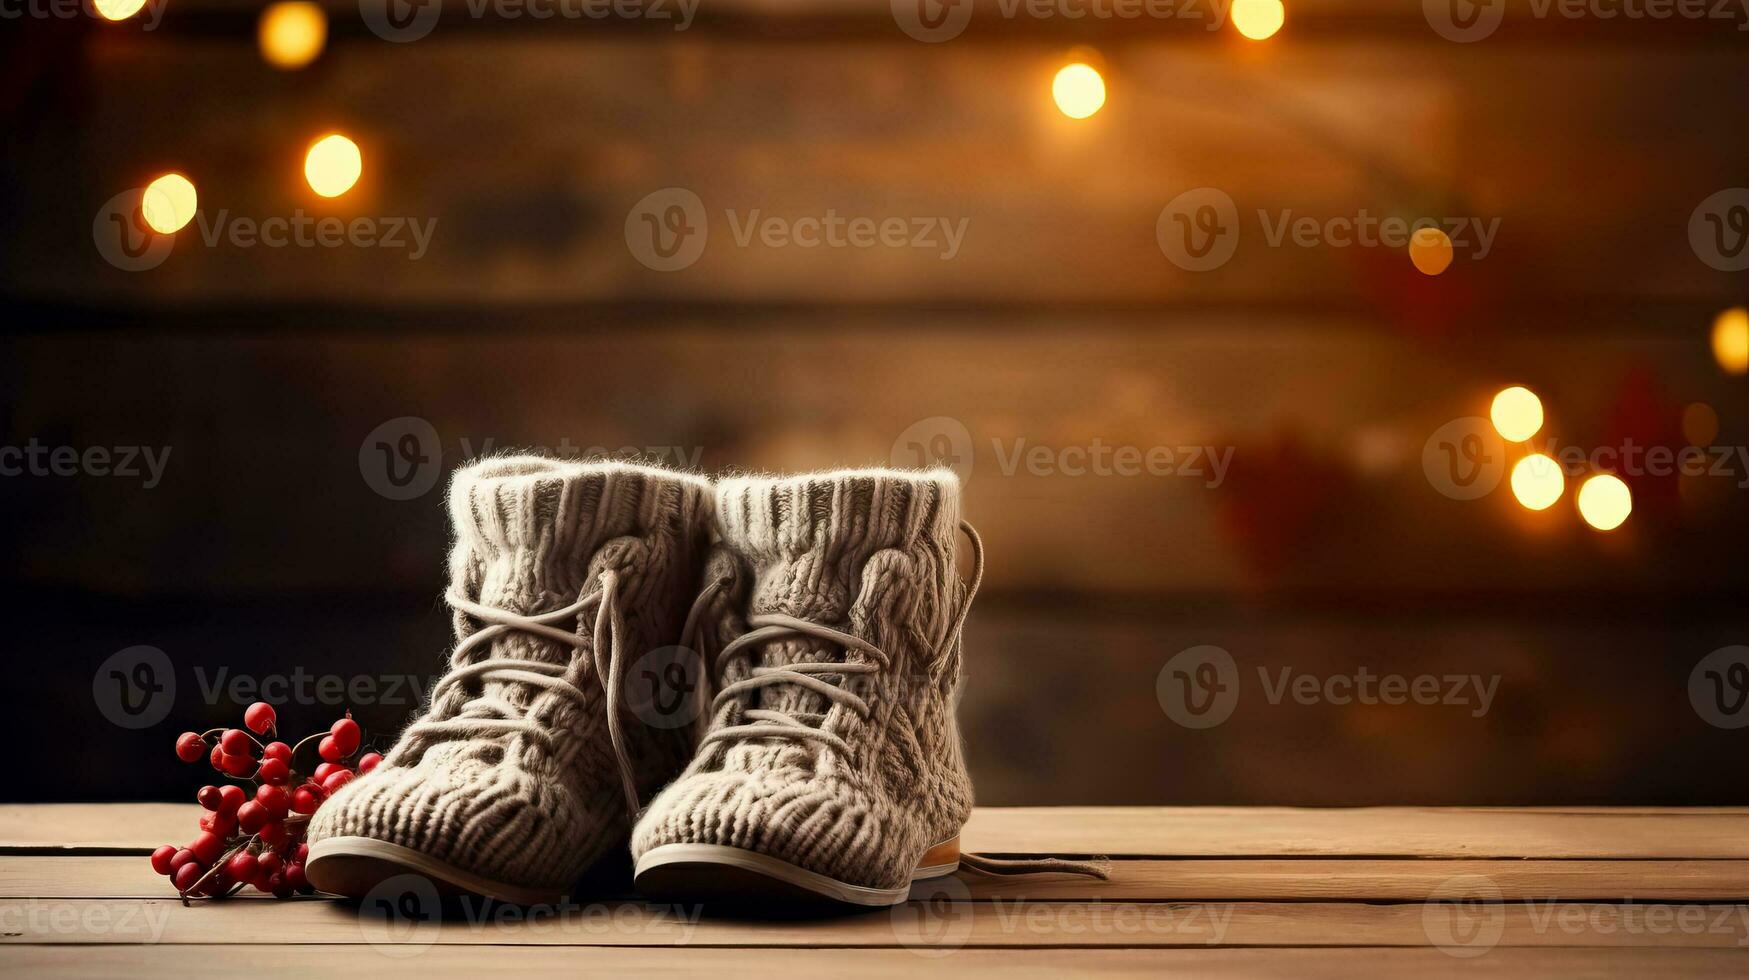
168, 203
1537, 481
1700, 424
117, 9
333, 165
1430, 251
1257, 19
1079, 90
1731, 340
292, 34
1517, 413
1605, 502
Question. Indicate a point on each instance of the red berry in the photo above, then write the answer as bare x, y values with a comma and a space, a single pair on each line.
276, 884
190, 747
217, 758
207, 847
301, 854
186, 876
273, 834
269, 862
335, 780
252, 816
322, 771
369, 761
274, 771
238, 765
259, 717
241, 866
208, 797
274, 799
182, 856
277, 750
161, 859
235, 741
305, 800
294, 876
329, 749
346, 736
220, 823
231, 796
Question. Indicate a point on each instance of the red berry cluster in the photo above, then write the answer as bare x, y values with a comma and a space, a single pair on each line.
257, 838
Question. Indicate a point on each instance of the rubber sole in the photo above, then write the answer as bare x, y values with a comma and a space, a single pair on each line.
705, 872
352, 866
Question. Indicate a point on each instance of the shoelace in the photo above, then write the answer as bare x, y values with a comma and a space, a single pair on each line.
779, 724
494, 715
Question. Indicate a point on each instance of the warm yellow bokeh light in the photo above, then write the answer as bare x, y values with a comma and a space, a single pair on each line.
1537, 481
332, 166
1731, 340
1700, 424
1517, 413
1604, 501
117, 9
292, 34
1257, 19
1079, 90
168, 203
1430, 250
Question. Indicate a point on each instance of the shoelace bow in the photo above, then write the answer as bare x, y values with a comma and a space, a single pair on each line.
780, 724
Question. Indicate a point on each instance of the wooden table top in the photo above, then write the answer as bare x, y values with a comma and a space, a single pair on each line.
1210, 890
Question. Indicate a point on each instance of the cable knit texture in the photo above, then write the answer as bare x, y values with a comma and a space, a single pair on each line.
537, 807
869, 553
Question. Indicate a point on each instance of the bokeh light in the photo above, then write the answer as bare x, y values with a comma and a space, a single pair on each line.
1079, 90
1430, 250
1537, 481
333, 165
1700, 424
168, 203
292, 34
1257, 19
1517, 413
117, 9
1605, 502
1731, 340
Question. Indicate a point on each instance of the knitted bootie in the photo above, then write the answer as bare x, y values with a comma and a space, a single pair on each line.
831, 764
518, 775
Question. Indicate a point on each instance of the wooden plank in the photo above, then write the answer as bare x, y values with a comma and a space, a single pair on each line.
1409, 832
225, 962
1252, 880
934, 924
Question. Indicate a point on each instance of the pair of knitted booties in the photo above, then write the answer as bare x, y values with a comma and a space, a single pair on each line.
782, 655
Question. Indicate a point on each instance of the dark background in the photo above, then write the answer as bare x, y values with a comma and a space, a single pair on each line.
1326, 550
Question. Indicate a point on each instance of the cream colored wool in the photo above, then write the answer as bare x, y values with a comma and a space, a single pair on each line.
870, 553
537, 807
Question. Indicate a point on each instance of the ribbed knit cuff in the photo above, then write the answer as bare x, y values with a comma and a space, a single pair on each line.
529, 524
